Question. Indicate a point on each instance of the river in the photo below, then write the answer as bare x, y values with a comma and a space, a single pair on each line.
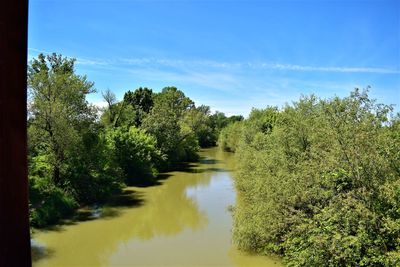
183, 221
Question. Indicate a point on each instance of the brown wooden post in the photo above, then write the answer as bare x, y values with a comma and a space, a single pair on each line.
14, 217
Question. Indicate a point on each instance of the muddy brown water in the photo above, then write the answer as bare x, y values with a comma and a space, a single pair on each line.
183, 221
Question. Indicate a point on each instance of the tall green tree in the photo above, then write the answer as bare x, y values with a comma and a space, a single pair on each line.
165, 123
58, 109
68, 156
141, 101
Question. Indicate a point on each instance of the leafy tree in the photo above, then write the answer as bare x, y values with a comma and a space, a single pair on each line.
134, 152
234, 118
197, 121
58, 109
67, 156
141, 101
116, 113
165, 123
90, 171
230, 136
218, 121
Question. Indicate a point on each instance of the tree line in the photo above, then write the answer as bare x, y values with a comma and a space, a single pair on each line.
79, 154
319, 181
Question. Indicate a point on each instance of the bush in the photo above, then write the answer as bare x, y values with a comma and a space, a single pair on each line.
91, 176
48, 204
318, 183
134, 152
229, 137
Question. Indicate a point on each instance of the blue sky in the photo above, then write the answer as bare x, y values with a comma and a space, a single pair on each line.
230, 55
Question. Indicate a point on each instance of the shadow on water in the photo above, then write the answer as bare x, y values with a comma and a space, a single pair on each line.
163, 176
184, 166
39, 252
199, 167
204, 160
128, 198
205, 170
150, 182
187, 167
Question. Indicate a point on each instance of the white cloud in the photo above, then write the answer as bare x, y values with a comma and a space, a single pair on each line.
83, 61
253, 65
278, 66
230, 87
79, 60
100, 104
201, 64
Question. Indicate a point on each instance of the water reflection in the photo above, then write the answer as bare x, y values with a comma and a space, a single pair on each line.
182, 222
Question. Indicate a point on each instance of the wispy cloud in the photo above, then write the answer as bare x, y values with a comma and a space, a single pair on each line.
278, 66
79, 60
83, 61
217, 80
198, 64
231, 87
38, 50
256, 65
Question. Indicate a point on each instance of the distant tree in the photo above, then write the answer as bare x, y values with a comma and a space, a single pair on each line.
141, 98
218, 121
175, 100
111, 101
198, 121
109, 97
229, 136
165, 123
235, 118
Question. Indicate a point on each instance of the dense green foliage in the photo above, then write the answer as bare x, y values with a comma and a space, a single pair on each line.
141, 101
66, 155
133, 152
229, 136
77, 157
176, 142
319, 182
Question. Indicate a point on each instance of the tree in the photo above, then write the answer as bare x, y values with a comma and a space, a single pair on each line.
229, 136
164, 122
218, 121
111, 111
68, 164
134, 152
141, 101
58, 109
197, 121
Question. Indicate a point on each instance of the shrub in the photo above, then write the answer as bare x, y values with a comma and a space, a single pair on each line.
318, 183
134, 152
48, 204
